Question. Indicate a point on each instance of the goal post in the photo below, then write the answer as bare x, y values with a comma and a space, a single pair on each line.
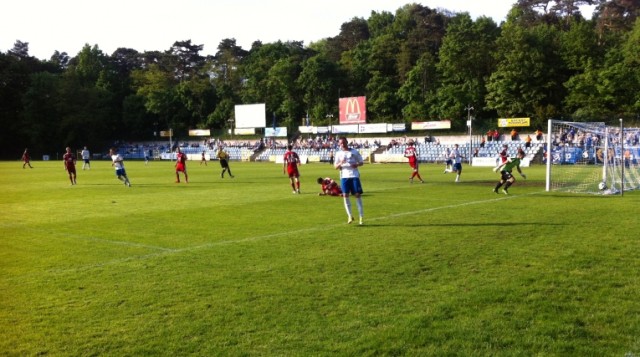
591, 158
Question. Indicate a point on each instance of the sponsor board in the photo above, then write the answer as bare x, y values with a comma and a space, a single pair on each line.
280, 132
512, 122
200, 132
431, 125
353, 110
372, 128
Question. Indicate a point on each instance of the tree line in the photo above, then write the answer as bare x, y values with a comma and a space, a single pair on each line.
420, 64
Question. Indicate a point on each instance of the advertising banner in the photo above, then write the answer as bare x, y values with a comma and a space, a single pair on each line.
431, 125
200, 132
344, 129
512, 122
280, 132
373, 128
307, 129
353, 110
245, 131
566, 155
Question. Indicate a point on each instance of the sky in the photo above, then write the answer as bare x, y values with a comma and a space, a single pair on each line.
154, 25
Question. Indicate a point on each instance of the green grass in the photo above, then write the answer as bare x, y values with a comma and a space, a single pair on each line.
242, 267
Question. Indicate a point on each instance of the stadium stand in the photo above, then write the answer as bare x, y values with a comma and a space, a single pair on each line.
319, 149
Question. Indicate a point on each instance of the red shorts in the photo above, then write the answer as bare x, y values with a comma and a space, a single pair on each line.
293, 171
413, 164
181, 167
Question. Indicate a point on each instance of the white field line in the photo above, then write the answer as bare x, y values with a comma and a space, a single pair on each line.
167, 251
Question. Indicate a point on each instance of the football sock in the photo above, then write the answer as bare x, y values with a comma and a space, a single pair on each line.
347, 206
360, 207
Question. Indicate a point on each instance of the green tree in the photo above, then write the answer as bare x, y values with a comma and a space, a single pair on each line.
419, 91
631, 60
465, 66
354, 66
226, 77
157, 87
188, 61
14, 82
383, 103
41, 111
529, 74
319, 82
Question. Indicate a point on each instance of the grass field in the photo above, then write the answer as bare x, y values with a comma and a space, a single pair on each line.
242, 267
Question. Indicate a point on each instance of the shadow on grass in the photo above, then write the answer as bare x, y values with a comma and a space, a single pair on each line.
496, 224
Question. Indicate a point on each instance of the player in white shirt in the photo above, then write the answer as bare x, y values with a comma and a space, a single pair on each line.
456, 158
448, 164
86, 155
348, 161
118, 164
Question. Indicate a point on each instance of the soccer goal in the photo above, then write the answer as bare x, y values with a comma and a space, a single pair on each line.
591, 158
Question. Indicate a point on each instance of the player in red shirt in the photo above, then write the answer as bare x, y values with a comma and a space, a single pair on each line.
70, 165
329, 187
412, 154
290, 164
181, 165
504, 155
26, 159
203, 159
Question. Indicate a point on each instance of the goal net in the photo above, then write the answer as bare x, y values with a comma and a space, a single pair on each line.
591, 158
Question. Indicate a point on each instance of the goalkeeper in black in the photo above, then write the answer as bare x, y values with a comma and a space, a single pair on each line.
506, 176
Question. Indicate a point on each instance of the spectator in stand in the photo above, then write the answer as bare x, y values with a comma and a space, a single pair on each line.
290, 166
521, 151
489, 135
527, 141
412, 154
181, 165
627, 158
69, 160
514, 134
496, 135
329, 187
26, 159
539, 135
482, 143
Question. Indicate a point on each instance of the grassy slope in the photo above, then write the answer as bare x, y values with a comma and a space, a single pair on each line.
243, 267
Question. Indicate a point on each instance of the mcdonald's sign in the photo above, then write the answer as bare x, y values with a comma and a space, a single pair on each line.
353, 110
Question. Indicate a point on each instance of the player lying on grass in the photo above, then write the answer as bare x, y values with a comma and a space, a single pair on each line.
329, 187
